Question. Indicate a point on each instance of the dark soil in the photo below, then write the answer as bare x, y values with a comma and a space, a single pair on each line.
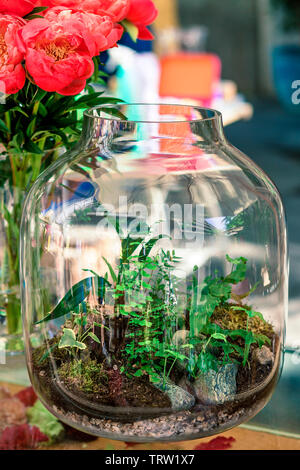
98, 388
200, 421
125, 394
110, 388
122, 391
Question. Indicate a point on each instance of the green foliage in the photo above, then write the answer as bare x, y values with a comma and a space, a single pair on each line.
39, 416
228, 347
213, 293
150, 350
33, 123
145, 290
238, 274
76, 296
88, 375
79, 331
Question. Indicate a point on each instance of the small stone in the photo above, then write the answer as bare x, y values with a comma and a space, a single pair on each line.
180, 337
216, 387
263, 356
180, 398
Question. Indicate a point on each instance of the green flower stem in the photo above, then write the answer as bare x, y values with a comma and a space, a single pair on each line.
170, 370
165, 370
8, 124
13, 315
20, 182
13, 305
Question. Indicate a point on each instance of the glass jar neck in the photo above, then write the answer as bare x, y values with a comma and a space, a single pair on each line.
197, 126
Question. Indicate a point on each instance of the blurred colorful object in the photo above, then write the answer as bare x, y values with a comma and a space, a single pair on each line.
218, 443
16, 432
25, 422
21, 437
286, 73
188, 75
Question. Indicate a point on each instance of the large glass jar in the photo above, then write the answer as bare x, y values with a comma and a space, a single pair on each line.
154, 274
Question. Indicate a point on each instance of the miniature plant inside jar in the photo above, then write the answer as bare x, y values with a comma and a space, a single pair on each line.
128, 340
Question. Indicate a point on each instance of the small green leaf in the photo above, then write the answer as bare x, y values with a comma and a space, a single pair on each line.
101, 325
187, 346
114, 112
68, 340
146, 285
94, 337
131, 29
3, 126
252, 314
73, 298
112, 272
219, 336
239, 273
138, 373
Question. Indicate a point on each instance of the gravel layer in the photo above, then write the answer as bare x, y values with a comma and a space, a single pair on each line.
172, 427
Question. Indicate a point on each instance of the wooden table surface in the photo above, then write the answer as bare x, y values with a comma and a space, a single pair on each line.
244, 439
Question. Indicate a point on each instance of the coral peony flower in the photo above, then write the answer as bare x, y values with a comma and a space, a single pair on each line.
59, 48
142, 13
116, 9
17, 7
12, 74
99, 32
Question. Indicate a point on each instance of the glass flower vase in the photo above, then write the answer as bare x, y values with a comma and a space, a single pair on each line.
154, 278
11, 201
18, 170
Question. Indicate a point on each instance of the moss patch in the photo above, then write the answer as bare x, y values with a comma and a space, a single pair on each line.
88, 376
232, 319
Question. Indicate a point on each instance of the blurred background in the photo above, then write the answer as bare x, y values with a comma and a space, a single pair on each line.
241, 57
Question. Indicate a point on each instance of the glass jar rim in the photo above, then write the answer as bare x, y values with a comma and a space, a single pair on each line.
212, 114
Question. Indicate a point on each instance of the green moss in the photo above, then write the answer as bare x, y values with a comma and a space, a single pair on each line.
88, 376
233, 319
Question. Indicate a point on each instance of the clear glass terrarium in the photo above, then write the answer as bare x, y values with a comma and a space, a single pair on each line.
154, 274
